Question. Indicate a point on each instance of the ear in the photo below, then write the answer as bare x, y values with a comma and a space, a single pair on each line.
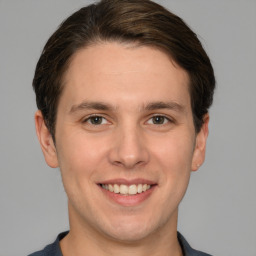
46, 140
200, 145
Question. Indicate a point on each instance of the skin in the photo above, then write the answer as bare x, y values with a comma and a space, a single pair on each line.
129, 142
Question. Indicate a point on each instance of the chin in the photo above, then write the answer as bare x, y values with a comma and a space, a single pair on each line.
125, 235
129, 230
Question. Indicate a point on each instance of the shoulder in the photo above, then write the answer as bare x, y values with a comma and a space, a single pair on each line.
187, 249
51, 249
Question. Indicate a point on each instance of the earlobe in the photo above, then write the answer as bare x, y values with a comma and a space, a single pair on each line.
200, 145
45, 140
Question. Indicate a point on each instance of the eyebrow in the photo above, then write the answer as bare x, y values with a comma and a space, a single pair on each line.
87, 105
91, 105
172, 105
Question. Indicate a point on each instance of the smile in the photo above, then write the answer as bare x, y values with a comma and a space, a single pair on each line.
126, 190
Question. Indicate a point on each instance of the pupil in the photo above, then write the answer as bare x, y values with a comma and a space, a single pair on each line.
158, 120
96, 120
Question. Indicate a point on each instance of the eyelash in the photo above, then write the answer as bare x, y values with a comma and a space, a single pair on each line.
166, 119
93, 116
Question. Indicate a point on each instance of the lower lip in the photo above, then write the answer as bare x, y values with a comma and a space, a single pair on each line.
128, 200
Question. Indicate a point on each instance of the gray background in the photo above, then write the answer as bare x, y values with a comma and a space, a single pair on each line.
218, 215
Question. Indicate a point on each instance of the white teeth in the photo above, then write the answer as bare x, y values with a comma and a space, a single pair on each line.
126, 190
133, 190
110, 188
116, 189
139, 188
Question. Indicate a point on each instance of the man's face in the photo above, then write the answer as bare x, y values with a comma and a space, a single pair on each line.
124, 123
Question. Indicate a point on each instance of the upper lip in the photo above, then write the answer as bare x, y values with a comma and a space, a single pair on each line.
128, 182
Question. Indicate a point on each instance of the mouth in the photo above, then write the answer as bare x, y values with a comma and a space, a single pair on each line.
123, 189
127, 193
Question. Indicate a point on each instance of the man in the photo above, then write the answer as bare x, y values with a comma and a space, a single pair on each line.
123, 90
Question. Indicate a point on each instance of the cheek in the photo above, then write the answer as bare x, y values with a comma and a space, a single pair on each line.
78, 157
174, 156
175, 152
79, 151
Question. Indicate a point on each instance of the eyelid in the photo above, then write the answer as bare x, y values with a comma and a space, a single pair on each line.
169, 119
87, 118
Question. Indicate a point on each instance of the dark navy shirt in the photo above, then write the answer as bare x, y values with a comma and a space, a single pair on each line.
54, 249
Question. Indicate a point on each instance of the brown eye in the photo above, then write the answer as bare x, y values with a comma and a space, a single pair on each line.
96, 120
159, 120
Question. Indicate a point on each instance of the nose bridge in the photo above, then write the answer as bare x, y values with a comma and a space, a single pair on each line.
130, 147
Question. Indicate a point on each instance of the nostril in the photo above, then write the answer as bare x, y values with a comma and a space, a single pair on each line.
118, 163
129, 164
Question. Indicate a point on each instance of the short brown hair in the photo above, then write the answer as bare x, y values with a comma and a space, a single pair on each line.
142, 22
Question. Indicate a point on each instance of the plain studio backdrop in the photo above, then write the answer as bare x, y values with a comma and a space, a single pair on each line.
218, 214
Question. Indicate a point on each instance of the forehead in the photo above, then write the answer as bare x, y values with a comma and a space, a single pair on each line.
113, 70
114, 58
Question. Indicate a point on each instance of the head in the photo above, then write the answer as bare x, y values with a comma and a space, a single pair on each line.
123, 89
141, 23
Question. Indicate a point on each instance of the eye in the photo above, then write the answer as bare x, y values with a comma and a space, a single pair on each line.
159, 120
96, 120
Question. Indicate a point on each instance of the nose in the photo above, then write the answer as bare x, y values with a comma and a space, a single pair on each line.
129, 148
